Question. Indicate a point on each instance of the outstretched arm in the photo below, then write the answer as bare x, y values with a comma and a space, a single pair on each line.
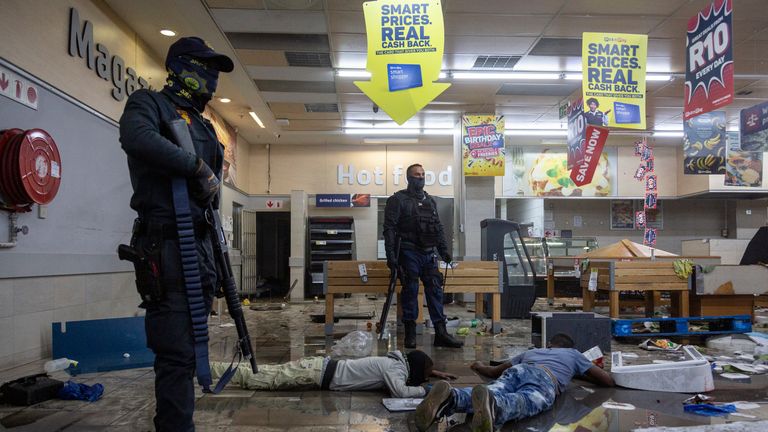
443, 375
599, 377
490, 371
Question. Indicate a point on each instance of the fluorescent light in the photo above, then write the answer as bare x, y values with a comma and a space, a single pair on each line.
381, 131
437, 131
668, 134
390, 140
536, 132
574, 76
667, 128
362, 73
225, 100
353, 73
506, 75
167, 32
256, 119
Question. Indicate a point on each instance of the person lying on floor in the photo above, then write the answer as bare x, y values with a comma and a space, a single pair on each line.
523, 387
401, 374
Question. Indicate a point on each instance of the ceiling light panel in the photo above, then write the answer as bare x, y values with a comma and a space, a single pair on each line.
564, 47
296, 86
280, 42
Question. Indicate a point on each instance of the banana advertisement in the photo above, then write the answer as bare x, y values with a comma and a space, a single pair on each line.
704, 144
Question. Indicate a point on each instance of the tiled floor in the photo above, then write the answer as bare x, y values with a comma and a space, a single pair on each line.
279, 336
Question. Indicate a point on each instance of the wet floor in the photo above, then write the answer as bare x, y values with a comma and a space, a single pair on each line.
280, 336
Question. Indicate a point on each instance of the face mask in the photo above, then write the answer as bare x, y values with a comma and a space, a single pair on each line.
192, 80
415, 183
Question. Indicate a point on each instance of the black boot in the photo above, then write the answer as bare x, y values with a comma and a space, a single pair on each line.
443, 339
410, 334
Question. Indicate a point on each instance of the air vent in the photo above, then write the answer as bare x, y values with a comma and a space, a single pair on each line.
308, 59
321, 107
557, 47
495, 62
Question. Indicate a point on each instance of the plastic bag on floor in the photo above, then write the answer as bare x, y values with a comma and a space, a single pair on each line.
710, 410
354, 344
75, 391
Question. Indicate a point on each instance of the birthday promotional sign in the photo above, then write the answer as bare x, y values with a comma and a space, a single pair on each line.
754, 128
704, 144
613, 87
482, 139
709, 59
405, 53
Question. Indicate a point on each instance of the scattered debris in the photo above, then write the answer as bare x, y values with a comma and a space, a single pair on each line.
618, 405
688, 376
710, 410
746, 405
734, 376
697, 399
659, 345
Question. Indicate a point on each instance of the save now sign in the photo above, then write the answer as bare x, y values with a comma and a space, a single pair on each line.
594, 142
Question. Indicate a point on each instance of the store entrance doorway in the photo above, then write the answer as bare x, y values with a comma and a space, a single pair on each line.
273, 248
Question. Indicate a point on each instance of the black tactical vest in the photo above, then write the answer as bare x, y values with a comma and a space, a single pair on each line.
419, 223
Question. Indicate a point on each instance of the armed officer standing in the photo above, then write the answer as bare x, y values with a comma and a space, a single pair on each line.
411, 215
153, 160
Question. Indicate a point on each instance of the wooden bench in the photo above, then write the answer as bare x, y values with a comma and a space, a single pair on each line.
650, 277
478, 277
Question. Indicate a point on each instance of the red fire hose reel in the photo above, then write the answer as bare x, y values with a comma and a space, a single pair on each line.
30, 169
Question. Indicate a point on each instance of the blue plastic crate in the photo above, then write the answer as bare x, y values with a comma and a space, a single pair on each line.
680, 326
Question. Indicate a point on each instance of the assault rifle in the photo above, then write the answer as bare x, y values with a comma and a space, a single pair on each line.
180, 133
390, 291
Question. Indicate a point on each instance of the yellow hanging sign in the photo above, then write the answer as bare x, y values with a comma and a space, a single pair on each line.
405, 53
613, 67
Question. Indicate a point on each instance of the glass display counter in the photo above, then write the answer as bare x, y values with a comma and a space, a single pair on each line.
553, 260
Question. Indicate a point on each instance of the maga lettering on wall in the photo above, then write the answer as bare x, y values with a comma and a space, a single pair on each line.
613, 87
704, 144
544, 173
482, 138
227, 137
709, 59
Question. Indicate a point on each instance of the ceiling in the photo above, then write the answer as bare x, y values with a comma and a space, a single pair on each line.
291, 50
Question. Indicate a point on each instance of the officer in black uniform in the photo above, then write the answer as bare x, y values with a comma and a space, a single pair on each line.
153, 160
411, 215
595, 116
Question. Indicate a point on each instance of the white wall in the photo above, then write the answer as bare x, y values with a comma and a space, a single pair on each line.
683, 220
526, 210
